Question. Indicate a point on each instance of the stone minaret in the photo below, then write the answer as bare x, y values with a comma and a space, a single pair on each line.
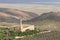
21, 26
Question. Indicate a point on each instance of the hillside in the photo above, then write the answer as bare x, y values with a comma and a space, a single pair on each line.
47, 21
54, 35
13, 15
55, 16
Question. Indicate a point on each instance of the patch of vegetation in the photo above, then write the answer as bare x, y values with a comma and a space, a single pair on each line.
2, 35
27, 32
6, 33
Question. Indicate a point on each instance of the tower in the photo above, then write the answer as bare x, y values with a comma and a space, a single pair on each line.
21, 25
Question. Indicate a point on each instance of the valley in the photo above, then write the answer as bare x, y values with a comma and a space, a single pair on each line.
43, 17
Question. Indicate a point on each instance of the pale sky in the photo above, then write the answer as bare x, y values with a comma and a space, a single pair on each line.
27, 1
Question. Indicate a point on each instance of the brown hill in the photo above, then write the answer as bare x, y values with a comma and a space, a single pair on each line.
47, 21
13, 15
52, 16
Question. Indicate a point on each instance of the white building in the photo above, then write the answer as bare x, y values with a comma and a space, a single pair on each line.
22, 27
26, 26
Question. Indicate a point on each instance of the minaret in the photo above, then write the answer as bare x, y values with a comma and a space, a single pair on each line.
21, 26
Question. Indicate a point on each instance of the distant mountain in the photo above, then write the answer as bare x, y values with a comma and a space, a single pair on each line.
13, 15
52, 16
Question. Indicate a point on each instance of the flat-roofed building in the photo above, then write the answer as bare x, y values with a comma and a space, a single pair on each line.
23, 29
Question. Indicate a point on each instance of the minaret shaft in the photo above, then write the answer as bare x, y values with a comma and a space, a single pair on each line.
21, 26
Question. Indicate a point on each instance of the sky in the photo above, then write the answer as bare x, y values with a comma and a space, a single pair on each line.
28, 1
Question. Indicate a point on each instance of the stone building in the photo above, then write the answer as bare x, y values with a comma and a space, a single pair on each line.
22, 27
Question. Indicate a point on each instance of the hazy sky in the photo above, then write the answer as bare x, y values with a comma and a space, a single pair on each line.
27, 1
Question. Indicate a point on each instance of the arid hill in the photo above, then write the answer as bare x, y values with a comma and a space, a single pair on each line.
47, 21
13, 15
52, 16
